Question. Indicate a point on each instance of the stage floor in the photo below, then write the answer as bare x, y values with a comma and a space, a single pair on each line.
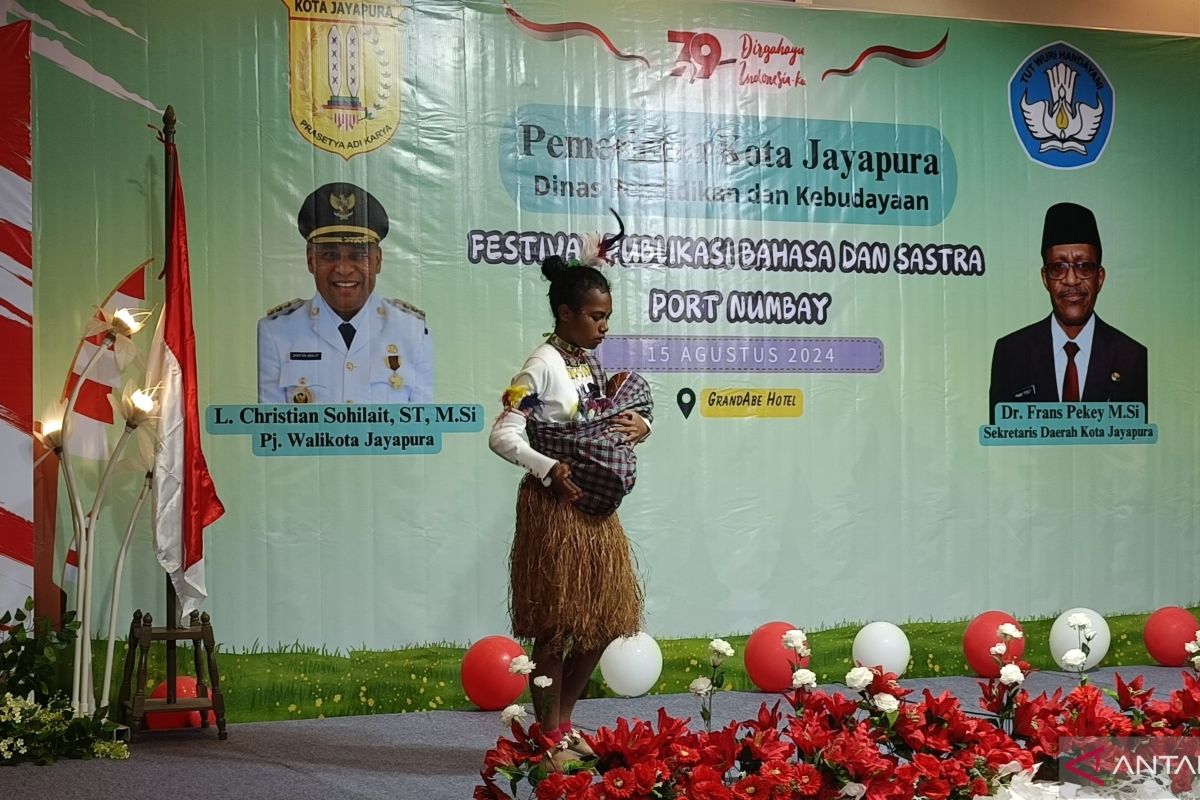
418, 756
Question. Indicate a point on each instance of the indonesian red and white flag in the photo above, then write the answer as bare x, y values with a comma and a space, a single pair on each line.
185, 499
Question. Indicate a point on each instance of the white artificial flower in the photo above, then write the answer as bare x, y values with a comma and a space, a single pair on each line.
701, 687
718, 651
720, 647
885, 702
52, 425
521, 665
1073, 658
543, 681
1024, 787
514, 713
1192, 647
796, 640
1010, 675
135, 405
804, 679
1089, 633
1196, 662
852, 789
1079, 620
999, 649
1010, 631
859, 678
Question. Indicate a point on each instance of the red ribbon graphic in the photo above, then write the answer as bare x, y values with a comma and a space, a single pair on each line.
905, 58
559, 31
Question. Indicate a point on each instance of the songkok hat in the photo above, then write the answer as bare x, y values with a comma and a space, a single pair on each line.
342, 212
1068, 223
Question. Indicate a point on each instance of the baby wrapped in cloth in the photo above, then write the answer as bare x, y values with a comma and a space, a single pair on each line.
603, 464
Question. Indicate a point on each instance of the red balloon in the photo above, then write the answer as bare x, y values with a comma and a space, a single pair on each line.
185, 687
1166, 632
768, 663
980, 637
485, 676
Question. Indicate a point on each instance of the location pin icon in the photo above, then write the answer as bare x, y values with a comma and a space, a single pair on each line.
687, 401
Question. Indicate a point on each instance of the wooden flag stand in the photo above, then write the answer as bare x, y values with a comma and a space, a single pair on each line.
132, 707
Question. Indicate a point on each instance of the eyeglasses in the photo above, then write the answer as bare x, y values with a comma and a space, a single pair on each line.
1084, 270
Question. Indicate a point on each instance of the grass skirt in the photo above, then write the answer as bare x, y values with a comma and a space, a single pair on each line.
573, 582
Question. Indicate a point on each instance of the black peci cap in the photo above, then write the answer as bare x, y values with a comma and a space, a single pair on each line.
1068, 223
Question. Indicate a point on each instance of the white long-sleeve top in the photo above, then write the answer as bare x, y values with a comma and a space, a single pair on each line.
558, 386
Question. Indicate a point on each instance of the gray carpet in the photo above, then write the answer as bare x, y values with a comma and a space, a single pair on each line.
418, 756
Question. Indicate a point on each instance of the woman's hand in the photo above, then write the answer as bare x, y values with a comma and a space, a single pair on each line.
561, 483
631, 425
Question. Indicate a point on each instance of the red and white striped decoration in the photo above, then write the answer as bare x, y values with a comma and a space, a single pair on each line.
16, 319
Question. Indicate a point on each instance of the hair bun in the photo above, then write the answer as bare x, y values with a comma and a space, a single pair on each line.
554, 267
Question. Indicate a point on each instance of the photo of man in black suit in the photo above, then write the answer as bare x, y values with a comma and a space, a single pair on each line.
1071, 355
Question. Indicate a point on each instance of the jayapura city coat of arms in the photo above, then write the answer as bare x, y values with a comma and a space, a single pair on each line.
345, 72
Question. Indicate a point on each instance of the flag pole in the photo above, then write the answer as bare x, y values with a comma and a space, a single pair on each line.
169, 248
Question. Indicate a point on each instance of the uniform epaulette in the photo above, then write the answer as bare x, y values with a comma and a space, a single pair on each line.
408, 307
283, 309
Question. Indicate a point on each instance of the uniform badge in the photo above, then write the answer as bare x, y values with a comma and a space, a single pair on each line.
397, 381
302, 395
314, 311
345, 70
1115, 377
391, 348
342, 205
393, 362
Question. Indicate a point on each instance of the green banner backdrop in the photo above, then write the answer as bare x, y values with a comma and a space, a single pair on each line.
832, 219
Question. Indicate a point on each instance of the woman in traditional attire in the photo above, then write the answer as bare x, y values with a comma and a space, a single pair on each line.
573, 587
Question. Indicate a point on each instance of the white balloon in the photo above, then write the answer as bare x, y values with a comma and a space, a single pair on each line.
882, 644
1063, 638
631, 664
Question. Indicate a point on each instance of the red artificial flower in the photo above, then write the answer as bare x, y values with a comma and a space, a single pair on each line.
856, 752
910, 726
1036, 721
1185, 702
488, 791
942, 707
683, 754
810, 733
648, 775
886, 683
777, 772
808, 780
619, 783
625, 745
979, 787
1092, 717
720, 748
705, 783
560, 786
751, 787
766, 720
993, 696
670, 728
765, 745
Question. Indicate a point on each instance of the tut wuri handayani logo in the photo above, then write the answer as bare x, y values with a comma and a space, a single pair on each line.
345, 72
1062, 106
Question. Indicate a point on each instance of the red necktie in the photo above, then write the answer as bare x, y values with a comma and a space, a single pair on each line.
1070, 390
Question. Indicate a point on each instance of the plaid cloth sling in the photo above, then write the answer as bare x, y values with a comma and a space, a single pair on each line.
603, 464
